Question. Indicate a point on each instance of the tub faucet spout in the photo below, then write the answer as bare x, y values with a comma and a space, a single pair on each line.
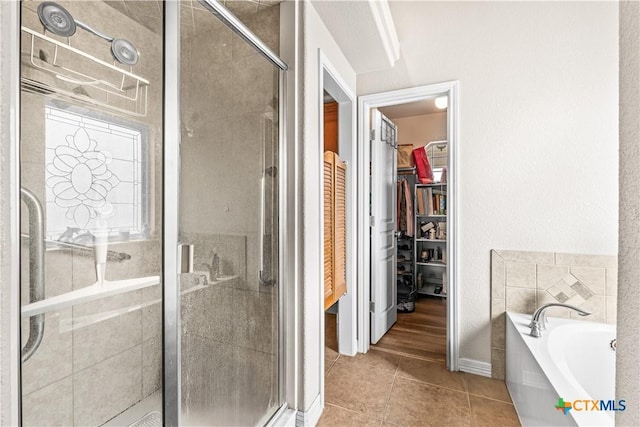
539, 318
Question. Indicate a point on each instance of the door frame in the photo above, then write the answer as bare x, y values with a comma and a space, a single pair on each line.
385, 99
331, 81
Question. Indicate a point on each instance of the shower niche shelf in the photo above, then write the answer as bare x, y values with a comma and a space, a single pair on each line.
90, 80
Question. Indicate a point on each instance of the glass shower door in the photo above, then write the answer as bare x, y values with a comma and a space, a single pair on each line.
91, 176
228, 215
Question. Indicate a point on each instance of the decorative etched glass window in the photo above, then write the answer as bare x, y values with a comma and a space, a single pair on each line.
95, 176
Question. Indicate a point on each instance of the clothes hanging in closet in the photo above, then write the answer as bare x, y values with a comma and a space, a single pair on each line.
405, 208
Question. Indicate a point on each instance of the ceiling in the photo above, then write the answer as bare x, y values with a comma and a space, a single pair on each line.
149, 12
364, 30
418, 108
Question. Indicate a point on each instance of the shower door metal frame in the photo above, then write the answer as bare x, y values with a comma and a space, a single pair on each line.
10, 19
171, 357
171, 201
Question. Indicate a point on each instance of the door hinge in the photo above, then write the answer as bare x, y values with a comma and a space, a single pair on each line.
372, 221
372, 306
372, 134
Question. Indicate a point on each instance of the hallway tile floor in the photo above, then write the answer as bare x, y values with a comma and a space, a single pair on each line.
385, 389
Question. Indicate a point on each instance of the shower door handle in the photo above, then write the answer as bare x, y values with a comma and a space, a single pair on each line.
185, 260
265, 268
36, 270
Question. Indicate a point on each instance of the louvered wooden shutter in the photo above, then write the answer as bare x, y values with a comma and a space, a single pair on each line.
340, 229
335, 228
328, 229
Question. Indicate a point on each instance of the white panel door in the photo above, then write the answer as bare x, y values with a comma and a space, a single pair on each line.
383, 226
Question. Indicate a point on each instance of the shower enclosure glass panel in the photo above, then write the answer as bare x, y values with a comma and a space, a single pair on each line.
91, 160
98, 232
229, 213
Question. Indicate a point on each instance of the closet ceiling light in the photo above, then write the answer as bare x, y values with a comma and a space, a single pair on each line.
442, 102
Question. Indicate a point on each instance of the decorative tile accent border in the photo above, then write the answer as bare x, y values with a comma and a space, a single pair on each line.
521, 281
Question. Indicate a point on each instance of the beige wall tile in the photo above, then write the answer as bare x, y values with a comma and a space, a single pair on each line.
265, 25
254, 378
104, 338
611, 281
606, 261
33, 128
106, 389
544, 297
498, 362
252, 320
152, 312
570, 290
548, 275
49, 406
146, 260
151, 366
596, 305
521, 300
498, 328
57, 269
527, 256
208, 387
253, 81
498, 306
520, 275
53, 359
592, 277
497, 276
210, 313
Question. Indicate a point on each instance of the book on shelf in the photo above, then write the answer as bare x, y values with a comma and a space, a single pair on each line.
420, 200
430, 201
443, 205
438, 202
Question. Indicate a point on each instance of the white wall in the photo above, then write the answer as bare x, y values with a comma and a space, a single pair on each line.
420, 130
628, 353
315, 37
538, 135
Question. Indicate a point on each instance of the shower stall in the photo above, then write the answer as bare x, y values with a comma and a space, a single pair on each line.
149, 163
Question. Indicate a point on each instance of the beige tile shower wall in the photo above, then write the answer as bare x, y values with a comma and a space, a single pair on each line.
522, 281
99, 358
228, 89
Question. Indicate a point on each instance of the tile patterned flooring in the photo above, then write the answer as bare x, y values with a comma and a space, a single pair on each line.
384, 389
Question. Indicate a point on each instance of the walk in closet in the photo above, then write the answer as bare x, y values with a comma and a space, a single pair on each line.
422, 221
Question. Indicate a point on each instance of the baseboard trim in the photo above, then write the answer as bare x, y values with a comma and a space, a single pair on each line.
473, 366
311, 416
